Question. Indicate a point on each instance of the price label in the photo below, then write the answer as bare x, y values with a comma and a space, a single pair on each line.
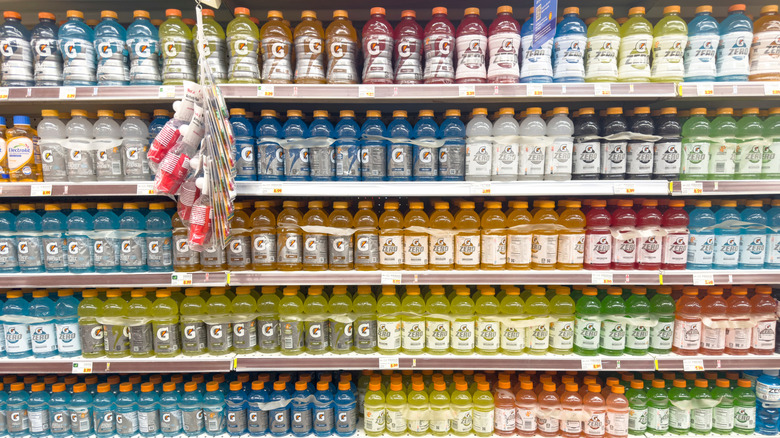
703, 280
82, 368
181, 279
691, 188
602, 89
624, 189
265, 90
467, 91
534, 90
705, 89
390, 278
772, 89
591, 364
145, 189
40, 189
3, 93
271, 189
67, 92
167, 92
482, 188
388, 363
693, 365
601, 278
366, 91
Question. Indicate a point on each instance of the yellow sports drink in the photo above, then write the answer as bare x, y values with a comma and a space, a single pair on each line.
437, 324
493, 236
519, 236
219, 339
240, 247
413, 323
391, 253
24, 157
341, 256
288, 238
366, 237
244, 308
537, 335
462, 331
263, 223
276, 50
316, 326
309, 40
467, 250
388, 322
315, 244
193, 329
291, 322
544, 244
341, 43
571, 239
442, 253
415, 241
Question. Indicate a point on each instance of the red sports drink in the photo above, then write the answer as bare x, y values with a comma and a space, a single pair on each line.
598, 238
408, 50
687, 323
525, 410
763, 311
648, 222
377, 49
623, 246
439, 42
471, 44
738, 312
675, 222
504, 44
595, 406
714, 308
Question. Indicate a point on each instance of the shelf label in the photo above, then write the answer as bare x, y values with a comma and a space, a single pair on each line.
67, 92
624, 189
40, 189
167, 92
388, 363
3, 93
181, 279
705, 89
467, 91
82, 368
772, 89
602, 89
693, 365
390, 278
591, 364
144, 189
480, 188
601, 278
534, 90
366, 91
271, 188
703, 280
691, 187
265, 90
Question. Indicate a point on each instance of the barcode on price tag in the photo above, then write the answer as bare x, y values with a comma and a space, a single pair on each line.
145, 189
40, 189
3, 93
82, 368
67, 92
181, 279
387, 363
703, 280
534, 90
624, 189
390, 278
691, 188
601, 278
602, 89
366, 91
772, 88
167, 92
467, 91
265, 91
705, 89
693, 365
591, 364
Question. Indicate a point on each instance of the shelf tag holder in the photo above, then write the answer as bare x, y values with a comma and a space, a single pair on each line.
365, 91
67, 92
3, 93
692, 365
265, 90
181, 279
388, 363
772, 89
601, 278
167, 92
703, 280
534, 90
591, 364
705, 89
390, 278
691, 187
624, 189
145, 189
81, 368
40, 189
600, 89
466, 91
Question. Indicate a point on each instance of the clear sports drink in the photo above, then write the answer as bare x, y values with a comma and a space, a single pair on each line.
537, 61
702, 46
309, 40
17, 61
135, 145
471, 44
378, 49
46, 52
696, 146
688, 324
569, 47
341, 43
439, 47
275, 48
408, 49
479, 146
764, 63
601, 53
736, 36
723, 150
108, 134
110, 45
176, 42
669, 41
214, 46
586, 151
558, 153
76, 40
506, 147
143, 46
531, 162
504, 44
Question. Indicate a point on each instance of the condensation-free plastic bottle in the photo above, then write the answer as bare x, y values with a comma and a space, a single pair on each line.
736, 36
504, 44
569, 47
702, 46
46, 52
670, 37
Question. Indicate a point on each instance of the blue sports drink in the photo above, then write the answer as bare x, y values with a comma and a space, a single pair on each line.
143, 46
132, 252
245, 145
726, 238
323, 410
279, 418
160, 118
76, 41
43, 334
79, 243
107, 250
347, 147
773, 236
425, 160
66, 323
17, 55
701, 237
170, 414
16, 411
38, 410
159, 247
46, 52
373, 152
58, 411
148, 411
126, 410
257, 418
703, 40
536, 65
399, 154
322, 156
104, 412
296, 158
270, 155
55, 253
111, 48
29, 246
80, 411
214, 409
190, 406
452, 154
9, 261
736, 36
236, 409
345, 410
17, 333
752, 238
569, 47
301, 410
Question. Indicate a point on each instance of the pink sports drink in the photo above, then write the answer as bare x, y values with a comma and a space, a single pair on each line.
377, 49
439, 42
675, 222
471, 44
598, 238
504, 44
408, 50
624, 243
648, 222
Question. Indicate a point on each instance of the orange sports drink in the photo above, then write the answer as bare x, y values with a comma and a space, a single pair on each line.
239, 247
276, 50
544, 243
391, 236
341, 43
571, 240
493, 236
340, 248
315, 245
288, 238
415, 242
309, 40
519, 236
366, 237
442, 245
263, 223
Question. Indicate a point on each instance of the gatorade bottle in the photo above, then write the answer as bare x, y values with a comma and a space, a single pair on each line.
388, 322
275, 48
341, 44
301, 415
165, 325
399, 160
135, 145
373, 153
235, 419
219, 328
46, 52
55, 258
67, 324
80, 410
366, 238
696, 146
16, 411
587, 328
488, 327
537, 335
341, 333
191, 412
425, 164
316, 325
764, 65
479, 146
24, 156
452, 153
613, 152
315, 246
17, 334
703, 39
752, 239
346, 148
532, 154
467, 239
462, 328
17, 63
504, 43
669, 41
744, 407
613, 331
649, 245
544, 243
106, 251
727, 244
296, 158
29, 246
193, 329
442, 244
76, 40
268, 320
601, 53
391, 247
257, 419
586, 152
437, 324
43, 334
749, 155
483, 411
558, 154
111, 48
143, 46
736, 35
365, 325
244, 307
662, 306
244, 145
79, 245
395, 409
471, 44
408, 49
562, 310
506, 148
412, 322
38, 410
322, 156
638, 332
270, 155
637, 405
148, 414
537, 61
377, 49
493, 244
618, 417
176, 42
624, 254
639, 153
571, 241
309, 39
214, 46
132, 256
416, 243
773, 238
341, 255
714, 308
117, 336
569, 47
91, 332
462, 407
9, 262
675, 243
666, 152
439, 45
771, 159
127, 410
701, 417
688, 324
52, 134
141, 336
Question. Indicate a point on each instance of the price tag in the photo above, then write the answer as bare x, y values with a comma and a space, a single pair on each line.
387, 363
265, 90
591, 364
167, 92
691, 188
271, 189
467, 91
693, 365
602, 89
481, 188
82, 368
705, 89
534, 90
366, 91
703, 280
772, 88
67, 92
601, 278
181, 279
145, 189
390, 278
3, 93
40, 189
624, 189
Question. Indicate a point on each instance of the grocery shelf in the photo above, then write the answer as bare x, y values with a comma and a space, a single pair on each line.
135, 93
719, 90
80, 365
722, 362
707, 277
65, 189
722, 187
116, 279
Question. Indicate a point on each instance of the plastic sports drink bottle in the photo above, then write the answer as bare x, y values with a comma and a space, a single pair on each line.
601, 54
723, 150
378, 49
506, 149
270, 155
471, 44
752, 239
416, 243
43, 334
613, 331
558, 155
702, 46
569, 47
111, 48
771, 164
243, 45
24, 157
439, 49
341, 254
624, 253
504, 45
695, 146
276, 50
425, 160
639, 153
341, 45
412, 323
214, 45
763, 335
667, 151
688, 324
117, 336
408, 49
537, 335
532, 153
727, 241
437, 324
452, 154
479, 146
738, 310
321, 157
714, 308
586, 152
749, 156
544, 243
618, 416
176, 42
395, 416
442, 244
76, 41
493, 244
562, 309
193, 329
669, 41
373, 153
399, 159
587, 328
388, 322
462, 328
571, 241
467, 240
296, 158
108, 166
366, 238
309, 40
764, 65
675, 243
143, 46
17, 61
537, 61
80, 247
245, 330
649, 245
613, 152
165, 324
736, 35
347, 147
391, 253
141, 336
46, 52
90, 331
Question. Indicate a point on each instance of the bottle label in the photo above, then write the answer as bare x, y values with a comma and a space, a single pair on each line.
52, 160
296, 163
17, 338
112, 60
520, 249
193, 337
462, 335
8, 258
366, 249
30, 251
547, 424
675, 248
268, 332
292, 334
425, 162
727, 252
471, 57
625, 250
596, 424
245, 335
81, 421
347, 164
479, 158
149, 422
324, 420
699, 59
752, 249
765, 53
408, 60
441, 251
771, 158
493, 249
437, 335
245, 157
701, 248
416, 253
569, 56
389, 335
43, 337
309, 59
177, 59
637, 420
650, 252
133, 252
141, 338
341, 251
483, 421
668, 53
399, 165
634, 57
737, 338
558, 157
687, 334
532, 158
316, 337
749, 157
237, 252
59, 421
135, 163
346, 420
390, 254
764, 335
55, 256
488, 335
733, 53
215, 50
452, 156
79, 61
290, 252
723, 418
263, 249
658, 419
639, 158
378, 58
413, 334
17, 421
257, 422
637, 336
39, 420
536, 62
613, 157
144, 53
106, 253
666, 157
598, 249
613, 335
586, 157
723, 158
160, 252
504, 62
300, 421
587, 334
342, 59
235, 422
80, 252
601, 57
512, 338
218, 336
572, 426
438, 57
562, 335
396, 422
270, 158
468, 250
166, 338
373, 161
440, 425
713, 338
571, 249
617, 423
91, 337
544, 249
17, 60
341, 336
321, 162
696, 157
21, 157
701, 419
126, 423
538, 337
192, 421
745, 417
68, 340
661, 335
315, 249
525, 419
506, 157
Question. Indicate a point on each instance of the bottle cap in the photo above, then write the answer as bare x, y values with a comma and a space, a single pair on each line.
206, 12
408, 13
533, 111
339, 13
12, 14
399, 113
605, 10
141, 14
108, 14
625, 203
74, 13
639, 10
704, 8
377, 11
147, 387
637, 384
642, 110
452, 113
493, 204
752, 111
614, 110
439, 11
768, 9
373, 113
346, 113
172, 13
725, 111
504, 10
21, 120
237, 112
737, 7
441, 205
391, 205
50, 113
105, 113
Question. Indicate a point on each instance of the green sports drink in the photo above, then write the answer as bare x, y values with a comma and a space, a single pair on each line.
483, 411
413, 322
291, 321
417, 412
679, 419
176, 43
117, 335
219, 339
439, 400
395, 408
268, 320
636, 41
744, 408
488, 326
662, 308
701, 414
771, 164
511, 312
723, 149
637, 408
669, 40
214, 45
462, 406
537, 335
562, 327
462, 334
388, 328
374, 409
340, 309
723, 413
658, 408
750, 149
364, 327
587, 327
165, 324
244, 308
601, 52
638, 331
141, 336
316, 326
90, 308
613, 332
193, 329
437, 323
695, 146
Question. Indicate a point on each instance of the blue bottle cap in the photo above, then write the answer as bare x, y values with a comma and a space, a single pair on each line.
21, 120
